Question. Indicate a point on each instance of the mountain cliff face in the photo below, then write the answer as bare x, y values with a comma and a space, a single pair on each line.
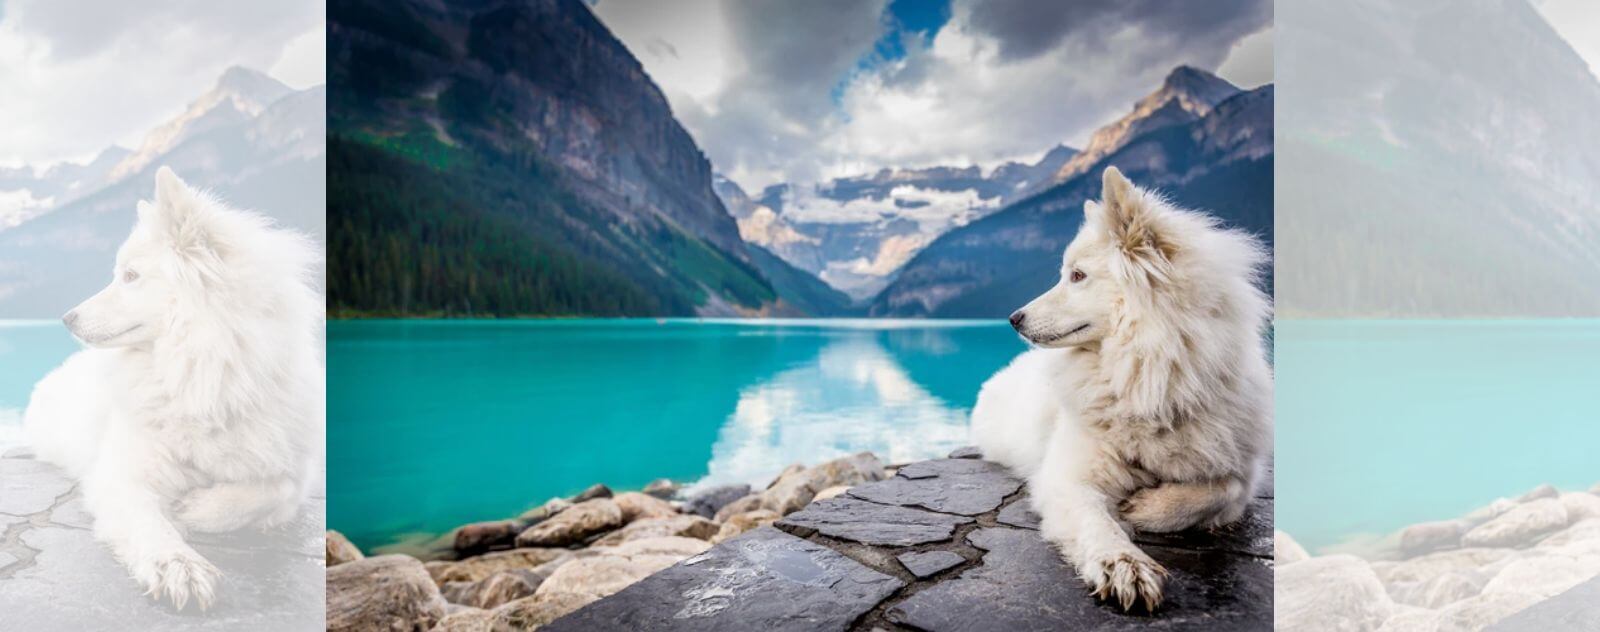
592, 169
1439, 162
1219, 161
256, 142
855, 233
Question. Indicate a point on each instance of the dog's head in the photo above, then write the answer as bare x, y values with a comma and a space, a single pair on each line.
1139, 261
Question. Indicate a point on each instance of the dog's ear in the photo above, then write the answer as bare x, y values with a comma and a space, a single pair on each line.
1130, 220
179, 212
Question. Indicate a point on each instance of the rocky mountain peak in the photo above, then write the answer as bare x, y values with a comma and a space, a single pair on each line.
1186, 94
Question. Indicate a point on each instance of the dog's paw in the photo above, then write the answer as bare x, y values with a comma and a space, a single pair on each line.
179, 576
1126, 578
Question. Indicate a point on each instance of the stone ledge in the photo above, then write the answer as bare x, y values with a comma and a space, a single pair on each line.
55, 576
948, 544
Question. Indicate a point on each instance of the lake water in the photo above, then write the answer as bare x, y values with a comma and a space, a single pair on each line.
1383, 424
432, 424
28, 350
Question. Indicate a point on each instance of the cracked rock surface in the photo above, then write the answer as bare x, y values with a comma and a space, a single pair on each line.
948, 544
55, 576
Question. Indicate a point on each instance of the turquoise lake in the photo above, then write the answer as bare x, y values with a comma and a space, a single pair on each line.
1383, 424
28, 350
432, 424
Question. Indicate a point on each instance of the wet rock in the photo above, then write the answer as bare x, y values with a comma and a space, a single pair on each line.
573, 526
1020, 571
929, 563
481, 567
594, 491
635, 506
1580, 506
466, 620
968, 452
387, 592
533, 612
1428, 537
1476, 613
742, 505
764, 580
706, 503
959, 486
1331, 592
1518, 526
1543, 491
1251, 534
688, 526
339, 550
746, 521
478, 537
1285, 550
1019, 514
662, 488
853, 519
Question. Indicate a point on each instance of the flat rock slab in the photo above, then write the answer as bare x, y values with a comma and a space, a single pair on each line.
1024, 585
763, 580
928, 563
1251, 535
857, 520
59, 577
956, 486
1577, 610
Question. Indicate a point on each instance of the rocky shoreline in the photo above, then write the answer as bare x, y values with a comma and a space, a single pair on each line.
1461, 574
523, 572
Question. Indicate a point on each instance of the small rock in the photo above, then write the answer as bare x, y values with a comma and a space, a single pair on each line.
1580, 506
746, 521
1545, 574
969, 452
706, 503
662, 488
466, 620
796, 489
1543, 491
529, 613
1411, 619
742, 505
688, 526
1331, 592
1424, 568
1477, 613
438, 568
1285, 550
665, 545
793, 469
840, 489
1488, 512
500, 588
478, 537
871, 523
596, 490
929, 563
481, 567
544, 512
340, 550
387, 592
573, 526
1428, 537
635, 505
1595, 490
1519, 526
1581, 530
603, 575
1437, 592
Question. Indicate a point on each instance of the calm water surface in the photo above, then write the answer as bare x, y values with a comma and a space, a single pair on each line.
432, 424
1383, 424
28, 350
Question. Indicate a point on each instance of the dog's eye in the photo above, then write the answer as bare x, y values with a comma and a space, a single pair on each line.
1077, 275
129, 276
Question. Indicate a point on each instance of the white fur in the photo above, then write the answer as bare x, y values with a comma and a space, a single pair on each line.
1149, 402
198, 405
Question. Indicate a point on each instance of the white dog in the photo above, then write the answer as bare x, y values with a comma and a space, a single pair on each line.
1149, 397
198, 405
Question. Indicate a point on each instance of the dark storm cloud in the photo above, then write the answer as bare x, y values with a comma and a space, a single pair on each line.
1027, 28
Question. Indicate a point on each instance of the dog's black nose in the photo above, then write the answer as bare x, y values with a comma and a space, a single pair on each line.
1016, 319
70, 318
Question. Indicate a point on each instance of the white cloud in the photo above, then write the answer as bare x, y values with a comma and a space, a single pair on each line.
78, 75
1249, 64
794, 93
20, 205
304, 62
1578, 22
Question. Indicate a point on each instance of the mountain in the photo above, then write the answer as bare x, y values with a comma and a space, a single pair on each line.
855, 232
513, 158
1219, 161
33, 194
1441, 164
266, 156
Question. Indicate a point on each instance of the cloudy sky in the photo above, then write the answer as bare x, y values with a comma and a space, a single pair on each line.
78, 75
1578, 22
799, 92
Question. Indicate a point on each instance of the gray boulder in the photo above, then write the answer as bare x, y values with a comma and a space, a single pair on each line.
387, 592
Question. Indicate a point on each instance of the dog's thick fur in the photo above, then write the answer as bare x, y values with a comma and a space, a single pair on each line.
198, 404
1148, 403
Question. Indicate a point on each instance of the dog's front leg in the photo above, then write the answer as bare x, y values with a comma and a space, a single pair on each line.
129, 517
1077, 518
230, 506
